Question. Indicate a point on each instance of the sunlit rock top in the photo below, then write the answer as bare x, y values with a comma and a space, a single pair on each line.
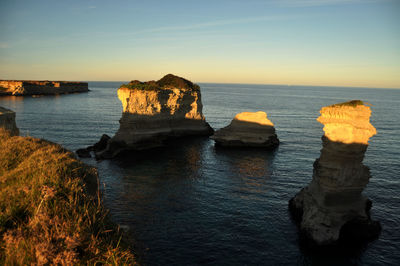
171, 95
347, 122
248, 129
254, 117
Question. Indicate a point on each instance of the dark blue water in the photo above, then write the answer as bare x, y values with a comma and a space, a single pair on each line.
193, 204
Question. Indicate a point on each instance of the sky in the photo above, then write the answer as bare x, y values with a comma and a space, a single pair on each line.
296, 42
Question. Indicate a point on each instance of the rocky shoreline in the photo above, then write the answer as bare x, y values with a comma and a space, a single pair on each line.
7, 121
330, 210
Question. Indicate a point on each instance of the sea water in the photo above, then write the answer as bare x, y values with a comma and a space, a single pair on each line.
190, 203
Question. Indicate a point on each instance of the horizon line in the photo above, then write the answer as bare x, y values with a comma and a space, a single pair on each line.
273, 84
209, 82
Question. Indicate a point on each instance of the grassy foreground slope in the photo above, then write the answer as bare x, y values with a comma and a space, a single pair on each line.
50, 208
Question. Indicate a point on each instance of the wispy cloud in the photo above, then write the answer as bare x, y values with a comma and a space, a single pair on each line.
213, 24
311, 3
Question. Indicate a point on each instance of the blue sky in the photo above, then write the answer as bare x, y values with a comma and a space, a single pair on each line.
307, 42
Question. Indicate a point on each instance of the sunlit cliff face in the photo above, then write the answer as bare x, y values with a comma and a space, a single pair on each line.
165, 101
254, 117
347, 123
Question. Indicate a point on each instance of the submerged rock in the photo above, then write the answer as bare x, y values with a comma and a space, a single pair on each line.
248, 130
156, 110
40, 87
7, 121
332, 209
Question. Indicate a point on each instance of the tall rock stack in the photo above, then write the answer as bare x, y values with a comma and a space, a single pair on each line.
332, 208
7, 121
156, 110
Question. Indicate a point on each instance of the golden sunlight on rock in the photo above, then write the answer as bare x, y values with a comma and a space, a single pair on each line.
156, 110
40, 87
347, 122
254, 117
332, 207
248, 129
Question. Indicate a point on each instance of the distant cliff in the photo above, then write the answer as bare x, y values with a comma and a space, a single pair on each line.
45, 87
7, 121
156, 110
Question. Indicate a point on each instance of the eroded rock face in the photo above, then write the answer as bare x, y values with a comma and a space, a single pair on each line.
332, 208
154, 111
36, 87
248, 129
7, 121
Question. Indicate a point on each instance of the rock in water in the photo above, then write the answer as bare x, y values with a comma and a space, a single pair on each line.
97, 147
7, 121
83, 153
248, 130
332, 209
154, 111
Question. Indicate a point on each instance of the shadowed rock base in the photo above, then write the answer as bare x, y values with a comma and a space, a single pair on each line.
332, 210
7, 121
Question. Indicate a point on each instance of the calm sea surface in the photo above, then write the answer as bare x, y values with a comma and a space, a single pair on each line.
193, 204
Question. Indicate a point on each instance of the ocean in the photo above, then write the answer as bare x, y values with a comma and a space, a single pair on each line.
190, 203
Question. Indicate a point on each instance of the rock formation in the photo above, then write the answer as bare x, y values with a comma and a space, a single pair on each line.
45, 87
332, 209
156, 110
248, 130
7, 121
97, 147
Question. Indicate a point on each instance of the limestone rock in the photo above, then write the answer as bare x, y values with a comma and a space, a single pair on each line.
156, 110
7, 121
332, 208
248, 129
44, 87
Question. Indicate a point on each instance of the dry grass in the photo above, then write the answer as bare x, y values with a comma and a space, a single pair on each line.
50, 209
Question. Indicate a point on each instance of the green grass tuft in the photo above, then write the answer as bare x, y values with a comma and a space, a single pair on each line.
167, 81
353, 103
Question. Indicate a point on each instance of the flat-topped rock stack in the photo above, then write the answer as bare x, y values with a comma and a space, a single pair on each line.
7, 121
36, 87
332, 208
248, 129
155, 111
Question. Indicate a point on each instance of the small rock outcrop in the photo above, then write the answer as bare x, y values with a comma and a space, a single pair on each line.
155, 111
98, 147
332, 209
248, 129
7, 121
44, 87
